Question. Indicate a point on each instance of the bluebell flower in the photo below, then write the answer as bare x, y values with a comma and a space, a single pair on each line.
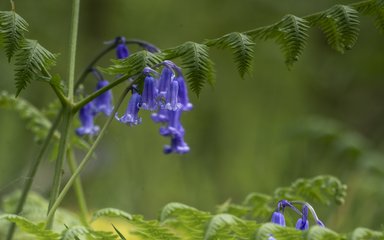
303, 223
172, 101
278, 218
183, 94
86, 115
149, 94
164, 81
103, 103
121, 49
270, 237
130, 116
161, 116
174, 125
177, 145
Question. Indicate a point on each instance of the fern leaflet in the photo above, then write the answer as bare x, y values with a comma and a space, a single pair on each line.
242, 47
32, 62
111, 212
12, 28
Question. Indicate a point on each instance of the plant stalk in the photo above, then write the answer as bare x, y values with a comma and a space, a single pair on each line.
85, 160
32, 172
72, 50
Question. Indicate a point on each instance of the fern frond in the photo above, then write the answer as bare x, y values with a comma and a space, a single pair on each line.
81, 232
32, 62
151, 230
111, 212
196, 61
322, 233
38, 230
364, 233
292, 37
12, 29
340, 25
278, 232
375, 9
134, 64
321, 189
242, 46
221, 224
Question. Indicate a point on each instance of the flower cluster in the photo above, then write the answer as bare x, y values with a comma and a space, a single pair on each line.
302, 223
165, 94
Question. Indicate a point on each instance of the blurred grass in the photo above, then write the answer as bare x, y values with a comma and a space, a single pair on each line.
238, 130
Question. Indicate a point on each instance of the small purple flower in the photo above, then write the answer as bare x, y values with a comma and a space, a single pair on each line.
174, 125
303, 223
270, 237
149, 94
177, 145
161, 116
121, 49
183, 94
278, 218
103, 103
86, 116
165, 80
172, 102
131, 114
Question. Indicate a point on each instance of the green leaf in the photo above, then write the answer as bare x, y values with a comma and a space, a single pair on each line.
340, 25
242, 47
364, 233
84, 233
36, 120
196, 61
12, 28
111, 212
322, 233
151, 230
38, 230
321, 189
278, 232
375, 9
32, 62
292, 37
134, 64
220, 224
118, 233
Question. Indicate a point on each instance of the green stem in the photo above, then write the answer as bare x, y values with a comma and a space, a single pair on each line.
78, 189
64, 137
72, 50
32, 172
85, 160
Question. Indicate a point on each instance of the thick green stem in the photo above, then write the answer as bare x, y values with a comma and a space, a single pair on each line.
85, 160
64, 137
72, 50
32, 172
78, 189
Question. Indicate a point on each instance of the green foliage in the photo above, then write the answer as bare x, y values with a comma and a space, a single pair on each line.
151, 230
321, 189
36, 121
84, 233
242, 47
376, 10
12, 29
340, 25
195, 60
321, 233
111, 212
37, 230
364, 233
278, 232
32, 62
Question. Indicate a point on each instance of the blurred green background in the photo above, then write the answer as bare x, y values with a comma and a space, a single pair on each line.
322, 117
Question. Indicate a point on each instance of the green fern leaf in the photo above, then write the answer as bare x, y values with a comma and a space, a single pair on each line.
151, 230
291, 36
196, 61
111, 212
364, 233
36, 120
375, 9
242, 47
32, 62
340, 25
134, 64
321, 189
278, 232
29, 227
322, 233
12, 28
84, 233
220, 224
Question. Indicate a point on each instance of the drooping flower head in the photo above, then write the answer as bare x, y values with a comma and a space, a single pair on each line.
278, 218
303, 223
102, 103
121, 48
166, 77
130, 116
177, 145
86, 116
149, 95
